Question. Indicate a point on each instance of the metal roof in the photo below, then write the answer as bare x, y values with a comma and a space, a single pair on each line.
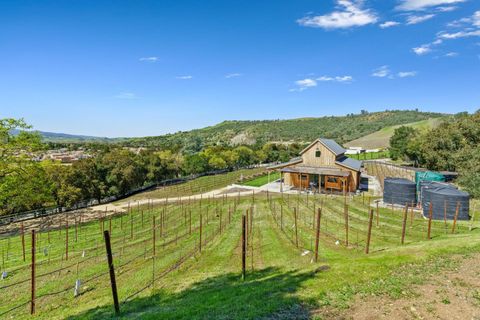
333, 146
316, 170
349, 163
296, 160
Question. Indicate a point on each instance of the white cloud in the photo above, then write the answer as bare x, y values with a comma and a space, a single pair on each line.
412, 5
382, 72
419, 19
423, 49
451, 54
233, 75
149, 59
126, 95
446, 9
405, 74
460, 34
388, 24
349, 13
186, 77
476, 19
304, 84
336, 79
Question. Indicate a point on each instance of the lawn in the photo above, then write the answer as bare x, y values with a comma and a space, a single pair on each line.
180, 282
262, 180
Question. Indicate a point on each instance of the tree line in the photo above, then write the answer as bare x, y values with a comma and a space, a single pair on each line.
452, 146
112, 171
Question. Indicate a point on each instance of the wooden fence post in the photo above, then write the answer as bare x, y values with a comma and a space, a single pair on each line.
456, 216
369, 234
66, 240
153, 235
430, 213
32, 301
22, 231
345, 212
296, 229
404, 223
111, 269
317, 235
244, 234
200, 243
378, 218
281, 217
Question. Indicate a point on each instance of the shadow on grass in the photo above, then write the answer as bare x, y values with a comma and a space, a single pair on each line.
265, 294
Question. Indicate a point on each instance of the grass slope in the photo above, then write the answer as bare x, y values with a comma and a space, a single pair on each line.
282, 281
381, 138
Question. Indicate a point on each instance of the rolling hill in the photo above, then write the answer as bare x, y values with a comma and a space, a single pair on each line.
236, 132
381, 138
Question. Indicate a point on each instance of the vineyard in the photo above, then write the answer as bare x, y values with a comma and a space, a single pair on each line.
183, 259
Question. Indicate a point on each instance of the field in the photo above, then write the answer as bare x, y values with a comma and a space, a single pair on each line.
162, 271
262, 180
381, 138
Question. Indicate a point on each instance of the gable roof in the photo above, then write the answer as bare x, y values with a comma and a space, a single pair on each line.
329, 144
349, 163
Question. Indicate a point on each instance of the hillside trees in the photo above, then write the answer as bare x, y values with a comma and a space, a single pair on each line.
452, 146
400, 140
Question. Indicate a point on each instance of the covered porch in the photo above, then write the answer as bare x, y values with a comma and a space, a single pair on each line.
317, 179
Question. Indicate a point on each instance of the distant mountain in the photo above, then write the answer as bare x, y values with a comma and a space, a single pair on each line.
237, 132
70, 138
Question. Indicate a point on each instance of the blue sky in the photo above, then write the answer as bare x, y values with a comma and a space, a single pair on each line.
134, 68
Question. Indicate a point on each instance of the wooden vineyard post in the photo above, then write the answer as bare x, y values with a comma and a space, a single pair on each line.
32, 299
22, 230
66, 240
345, 212
244, 234
378, 218
430, 213
76, 231
200, 243
369, 234
131, 225
111, 269
190, 221
317, 234
153, 235
455, 217
281, 217
220, 224
296, 229
405, 214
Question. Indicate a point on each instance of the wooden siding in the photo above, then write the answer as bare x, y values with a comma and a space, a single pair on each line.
327, 157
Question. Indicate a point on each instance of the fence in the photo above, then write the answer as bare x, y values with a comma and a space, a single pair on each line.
23, 216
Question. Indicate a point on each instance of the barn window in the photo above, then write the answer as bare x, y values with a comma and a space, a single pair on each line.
317, 153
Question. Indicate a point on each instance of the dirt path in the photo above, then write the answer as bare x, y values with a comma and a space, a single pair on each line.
452, 294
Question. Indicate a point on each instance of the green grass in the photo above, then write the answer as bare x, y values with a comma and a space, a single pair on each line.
381, 138
281, 282
263, 180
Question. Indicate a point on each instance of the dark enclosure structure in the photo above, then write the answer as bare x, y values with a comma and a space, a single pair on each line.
445, 199
426, 185
399, 191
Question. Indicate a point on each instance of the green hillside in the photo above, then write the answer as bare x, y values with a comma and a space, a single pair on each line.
381, 138
340, 128
236, 132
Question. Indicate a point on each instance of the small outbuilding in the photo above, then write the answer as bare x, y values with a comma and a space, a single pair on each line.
322, 166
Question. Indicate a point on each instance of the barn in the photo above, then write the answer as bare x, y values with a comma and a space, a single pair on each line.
323, 167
